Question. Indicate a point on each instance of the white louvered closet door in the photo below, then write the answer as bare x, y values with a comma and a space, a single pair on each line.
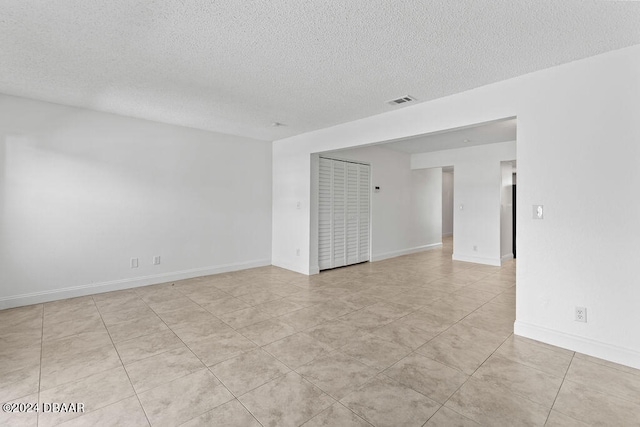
364, 188
338, 210
325, 211
343, 220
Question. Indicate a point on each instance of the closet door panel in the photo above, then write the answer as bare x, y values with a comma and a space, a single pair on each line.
352, 229
339, 232
364, 191
325, 223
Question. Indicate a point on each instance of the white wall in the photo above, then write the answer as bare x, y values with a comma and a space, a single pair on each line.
82, 192
477, 188
405, 218
447, 203
578, 127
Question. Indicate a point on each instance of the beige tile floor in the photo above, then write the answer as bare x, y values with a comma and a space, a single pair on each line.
411, 341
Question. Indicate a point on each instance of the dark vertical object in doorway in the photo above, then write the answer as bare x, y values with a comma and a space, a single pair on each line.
513, 204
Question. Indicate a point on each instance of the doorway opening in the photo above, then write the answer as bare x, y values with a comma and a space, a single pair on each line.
513, 199
507, 211
447, 208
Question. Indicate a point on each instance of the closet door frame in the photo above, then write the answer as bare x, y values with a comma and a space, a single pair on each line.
316, 195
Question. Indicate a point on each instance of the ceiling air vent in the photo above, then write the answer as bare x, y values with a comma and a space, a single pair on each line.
402, 100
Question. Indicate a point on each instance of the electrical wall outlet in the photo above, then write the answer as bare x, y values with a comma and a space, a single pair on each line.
581, 314
156, 260
297, 252
475, 248
134, 262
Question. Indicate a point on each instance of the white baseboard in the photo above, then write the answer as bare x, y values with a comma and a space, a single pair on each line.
314, 269
612, 353
116, 285
287, 265
506, 257
393, 254
476, 259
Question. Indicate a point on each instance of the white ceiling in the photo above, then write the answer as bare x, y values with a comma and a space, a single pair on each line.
237, 66
485, 133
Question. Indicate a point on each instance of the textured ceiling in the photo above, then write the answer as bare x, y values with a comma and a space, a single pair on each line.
237, 66
469, 136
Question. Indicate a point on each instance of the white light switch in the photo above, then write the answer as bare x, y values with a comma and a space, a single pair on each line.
538, 212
